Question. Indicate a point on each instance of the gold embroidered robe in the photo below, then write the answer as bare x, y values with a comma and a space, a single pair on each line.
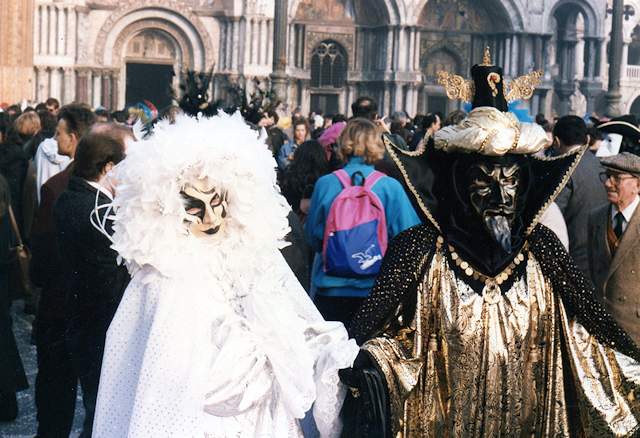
507, 362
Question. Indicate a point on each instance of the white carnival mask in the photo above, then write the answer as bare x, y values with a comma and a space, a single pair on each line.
206, 207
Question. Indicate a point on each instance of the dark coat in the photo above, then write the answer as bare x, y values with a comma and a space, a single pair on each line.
13, 166
583, 193
46, 265
93, 280
12, 376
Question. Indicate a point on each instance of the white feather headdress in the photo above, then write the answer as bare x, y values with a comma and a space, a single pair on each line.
149, 223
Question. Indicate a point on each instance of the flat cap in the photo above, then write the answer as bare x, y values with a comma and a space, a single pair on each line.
625, 162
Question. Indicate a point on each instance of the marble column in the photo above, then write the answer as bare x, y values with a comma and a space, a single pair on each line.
252, 41
71, 32
235, 45
292, 45
386, 100
82, 87
412, 45
52, 30
61, 29
416, 49
115, 83
625, 58
42, 84
36, 31
44, 30
56, 84
97, 89
246, 39
390, 49
69, 85
270, 38
264, 42
106, 91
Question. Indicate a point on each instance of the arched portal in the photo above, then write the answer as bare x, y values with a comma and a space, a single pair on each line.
150, 59
147, 46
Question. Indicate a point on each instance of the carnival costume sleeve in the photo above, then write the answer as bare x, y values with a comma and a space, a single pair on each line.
214, 337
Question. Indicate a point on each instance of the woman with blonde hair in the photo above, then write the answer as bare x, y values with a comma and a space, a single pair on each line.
338, 292
27, 125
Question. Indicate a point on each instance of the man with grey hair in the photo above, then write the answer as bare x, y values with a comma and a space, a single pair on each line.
614, 254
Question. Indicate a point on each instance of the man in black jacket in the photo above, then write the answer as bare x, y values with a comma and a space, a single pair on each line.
56, 382
93, 279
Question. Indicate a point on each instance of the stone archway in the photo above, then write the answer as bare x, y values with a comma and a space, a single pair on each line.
183, 35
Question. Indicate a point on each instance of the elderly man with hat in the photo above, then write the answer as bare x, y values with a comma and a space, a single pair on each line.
614, 250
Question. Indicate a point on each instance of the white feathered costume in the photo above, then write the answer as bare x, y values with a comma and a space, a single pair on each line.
213, 337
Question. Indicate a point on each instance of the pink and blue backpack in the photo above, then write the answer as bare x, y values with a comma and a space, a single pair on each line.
355, 234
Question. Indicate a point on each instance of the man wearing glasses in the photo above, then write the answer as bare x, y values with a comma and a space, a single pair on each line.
614, 249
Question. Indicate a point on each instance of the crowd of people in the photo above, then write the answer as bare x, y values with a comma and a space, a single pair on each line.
337, 173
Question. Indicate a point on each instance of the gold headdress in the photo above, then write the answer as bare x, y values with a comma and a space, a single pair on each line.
520, 88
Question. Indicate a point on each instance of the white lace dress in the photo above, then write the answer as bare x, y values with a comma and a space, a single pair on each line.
206, 355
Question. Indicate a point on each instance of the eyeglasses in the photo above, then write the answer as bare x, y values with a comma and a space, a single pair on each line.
616, 178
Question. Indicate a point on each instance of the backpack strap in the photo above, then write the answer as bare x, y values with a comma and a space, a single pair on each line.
373, 178
343, 177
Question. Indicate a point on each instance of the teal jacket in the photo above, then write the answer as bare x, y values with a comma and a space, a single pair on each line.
399, 213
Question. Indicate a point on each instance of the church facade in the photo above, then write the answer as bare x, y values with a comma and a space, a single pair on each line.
114, 53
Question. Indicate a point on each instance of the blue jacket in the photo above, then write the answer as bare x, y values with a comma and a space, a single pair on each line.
283, 156
399, 213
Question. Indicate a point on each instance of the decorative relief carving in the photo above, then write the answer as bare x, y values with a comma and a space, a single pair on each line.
185, 55
125, 7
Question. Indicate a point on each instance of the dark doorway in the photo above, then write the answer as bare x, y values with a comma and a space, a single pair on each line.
149, 81
325, 103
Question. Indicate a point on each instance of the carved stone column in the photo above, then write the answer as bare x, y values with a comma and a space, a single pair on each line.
69, 85
71, 32
82, 87
56, 83
42, 84
115, 83
62, 28
96, 93
106, 91
52, 30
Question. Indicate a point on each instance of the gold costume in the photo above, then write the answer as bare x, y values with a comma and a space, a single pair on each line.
470, 365
480, 324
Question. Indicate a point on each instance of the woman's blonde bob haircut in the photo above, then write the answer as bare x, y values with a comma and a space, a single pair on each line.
28, 124
361, 138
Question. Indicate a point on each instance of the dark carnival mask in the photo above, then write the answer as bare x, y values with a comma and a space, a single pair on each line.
493, 191
206, 207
